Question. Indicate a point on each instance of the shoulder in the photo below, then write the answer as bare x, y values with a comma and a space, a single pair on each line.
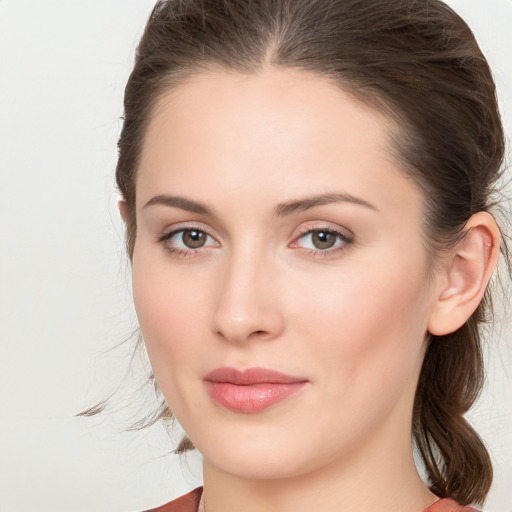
186, 503
448, 505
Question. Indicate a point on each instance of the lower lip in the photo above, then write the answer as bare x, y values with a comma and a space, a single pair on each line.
251, 398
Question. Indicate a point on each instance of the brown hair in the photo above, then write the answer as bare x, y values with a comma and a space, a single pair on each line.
417, 62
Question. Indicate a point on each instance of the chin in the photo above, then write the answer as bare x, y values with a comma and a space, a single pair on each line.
263, 456
258, 466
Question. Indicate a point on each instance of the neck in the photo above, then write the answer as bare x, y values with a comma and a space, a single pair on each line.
381, 479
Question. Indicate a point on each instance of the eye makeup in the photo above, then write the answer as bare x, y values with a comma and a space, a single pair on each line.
190, 241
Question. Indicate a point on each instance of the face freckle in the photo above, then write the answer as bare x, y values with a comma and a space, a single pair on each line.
313, 265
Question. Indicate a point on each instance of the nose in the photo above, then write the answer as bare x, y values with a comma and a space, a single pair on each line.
247, 300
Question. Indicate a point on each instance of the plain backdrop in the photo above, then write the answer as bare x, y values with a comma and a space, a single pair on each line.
65, 282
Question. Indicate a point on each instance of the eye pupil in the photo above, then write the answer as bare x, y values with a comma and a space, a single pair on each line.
193, 238
323, 239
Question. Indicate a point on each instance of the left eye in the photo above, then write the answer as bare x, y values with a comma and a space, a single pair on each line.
322, 239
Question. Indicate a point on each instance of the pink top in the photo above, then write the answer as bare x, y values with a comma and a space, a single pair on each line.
190, 503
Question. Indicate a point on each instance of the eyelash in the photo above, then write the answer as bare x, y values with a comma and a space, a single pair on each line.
323, 253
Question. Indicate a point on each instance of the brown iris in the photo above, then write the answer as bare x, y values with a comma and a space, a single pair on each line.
193, 238
323, 239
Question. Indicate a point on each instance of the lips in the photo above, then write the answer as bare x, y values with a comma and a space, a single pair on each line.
251, 390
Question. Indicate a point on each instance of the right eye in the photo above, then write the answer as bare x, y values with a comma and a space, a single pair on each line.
187, 240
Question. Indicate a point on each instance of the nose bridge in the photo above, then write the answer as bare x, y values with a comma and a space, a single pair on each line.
246, 304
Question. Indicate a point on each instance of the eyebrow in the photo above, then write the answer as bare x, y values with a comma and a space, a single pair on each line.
306, 203
281, 210
180, 202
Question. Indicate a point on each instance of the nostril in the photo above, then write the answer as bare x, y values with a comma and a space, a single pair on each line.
259, 334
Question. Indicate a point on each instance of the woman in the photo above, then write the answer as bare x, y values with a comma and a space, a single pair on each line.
306, 190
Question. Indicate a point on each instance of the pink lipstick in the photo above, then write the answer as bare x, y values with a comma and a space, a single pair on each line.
251, 390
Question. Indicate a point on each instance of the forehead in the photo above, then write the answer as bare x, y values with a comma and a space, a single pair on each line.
255, 133
273, 102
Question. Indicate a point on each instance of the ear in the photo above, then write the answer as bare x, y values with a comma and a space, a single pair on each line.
122, 209
465, 276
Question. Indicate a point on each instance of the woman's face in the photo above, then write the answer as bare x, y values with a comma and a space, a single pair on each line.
275, 231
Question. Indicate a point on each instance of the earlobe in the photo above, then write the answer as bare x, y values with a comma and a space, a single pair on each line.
466, 275
121, 204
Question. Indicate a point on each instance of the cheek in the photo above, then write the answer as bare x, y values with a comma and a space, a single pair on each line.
368, 324
169, 315
168, 311
164, 295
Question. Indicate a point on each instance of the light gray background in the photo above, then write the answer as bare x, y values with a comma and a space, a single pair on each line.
64, 280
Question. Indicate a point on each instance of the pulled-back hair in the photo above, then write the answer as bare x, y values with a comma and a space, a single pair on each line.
418, 63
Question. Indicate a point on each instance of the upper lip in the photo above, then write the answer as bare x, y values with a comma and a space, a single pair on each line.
250, 376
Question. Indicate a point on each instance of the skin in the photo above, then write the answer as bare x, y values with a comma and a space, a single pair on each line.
352, 319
